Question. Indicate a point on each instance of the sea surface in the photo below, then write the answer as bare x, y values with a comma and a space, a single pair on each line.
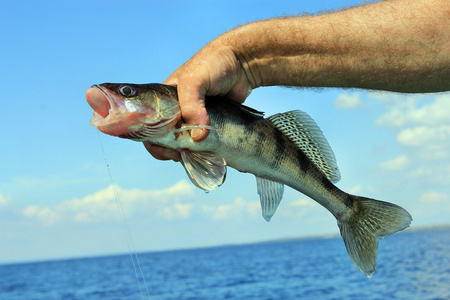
411, 265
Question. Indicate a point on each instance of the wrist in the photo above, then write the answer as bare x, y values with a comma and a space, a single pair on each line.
271, 51
249, 45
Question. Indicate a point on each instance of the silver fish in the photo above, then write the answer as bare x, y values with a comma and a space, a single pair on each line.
284, 149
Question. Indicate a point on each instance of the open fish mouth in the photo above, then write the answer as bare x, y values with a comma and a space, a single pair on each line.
127, 118
114, 114
111, 108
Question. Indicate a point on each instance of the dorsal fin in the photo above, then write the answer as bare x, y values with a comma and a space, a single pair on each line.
305, 133
252, 111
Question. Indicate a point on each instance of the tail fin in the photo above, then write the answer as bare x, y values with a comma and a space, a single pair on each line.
374, 219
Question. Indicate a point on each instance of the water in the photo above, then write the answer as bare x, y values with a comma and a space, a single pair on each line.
411, 265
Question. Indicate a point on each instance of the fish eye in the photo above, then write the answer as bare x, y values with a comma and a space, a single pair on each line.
127, 91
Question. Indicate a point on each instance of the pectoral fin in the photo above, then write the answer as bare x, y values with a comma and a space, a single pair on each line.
205, 169
270, 194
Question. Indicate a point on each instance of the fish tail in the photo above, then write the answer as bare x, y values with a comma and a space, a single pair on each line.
373, 219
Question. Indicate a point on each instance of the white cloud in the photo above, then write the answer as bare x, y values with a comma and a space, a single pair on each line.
421, 124
4, 201
408, 112
299, 209
395, 164
174, 203
346, 101
302, 203
177, 211
46, 215
355, 190
434, 197
254, 208
233, 211
241, 209
423, 135
103, 205
223, 212
421, 172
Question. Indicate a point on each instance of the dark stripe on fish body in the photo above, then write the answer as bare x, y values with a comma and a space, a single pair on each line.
348, 201
303, 161
280, 141
327, 184
258, 138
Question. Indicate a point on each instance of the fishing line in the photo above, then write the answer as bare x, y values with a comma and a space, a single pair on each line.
131, 248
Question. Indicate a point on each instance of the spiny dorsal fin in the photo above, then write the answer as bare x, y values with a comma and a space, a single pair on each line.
252, 111
305, 133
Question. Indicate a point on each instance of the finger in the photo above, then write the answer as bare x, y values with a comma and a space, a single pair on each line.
193, 111
162, 153
171, 80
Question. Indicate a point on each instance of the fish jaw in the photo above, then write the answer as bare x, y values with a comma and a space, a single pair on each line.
117, 116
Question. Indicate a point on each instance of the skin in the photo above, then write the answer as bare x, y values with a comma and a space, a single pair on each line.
397, 45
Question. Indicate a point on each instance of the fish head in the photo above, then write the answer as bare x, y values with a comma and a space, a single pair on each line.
134, 111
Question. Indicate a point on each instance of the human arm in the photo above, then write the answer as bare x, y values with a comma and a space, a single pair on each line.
397, 45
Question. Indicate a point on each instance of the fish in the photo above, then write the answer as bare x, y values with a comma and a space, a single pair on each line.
284, 149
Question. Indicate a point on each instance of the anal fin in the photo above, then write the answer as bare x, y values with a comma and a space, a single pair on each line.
270, 194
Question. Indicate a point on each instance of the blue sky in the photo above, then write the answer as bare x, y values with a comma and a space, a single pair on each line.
55, 194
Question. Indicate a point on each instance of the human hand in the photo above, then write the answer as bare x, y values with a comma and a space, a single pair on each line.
214, 71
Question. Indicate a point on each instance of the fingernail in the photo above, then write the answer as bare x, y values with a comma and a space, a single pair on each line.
196, 132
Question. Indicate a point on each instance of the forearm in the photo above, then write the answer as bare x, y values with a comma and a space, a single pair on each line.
401, 46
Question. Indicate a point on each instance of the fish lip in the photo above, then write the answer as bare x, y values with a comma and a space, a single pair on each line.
103, 92
114, 107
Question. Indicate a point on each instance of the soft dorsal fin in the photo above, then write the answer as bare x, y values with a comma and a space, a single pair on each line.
305, 133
